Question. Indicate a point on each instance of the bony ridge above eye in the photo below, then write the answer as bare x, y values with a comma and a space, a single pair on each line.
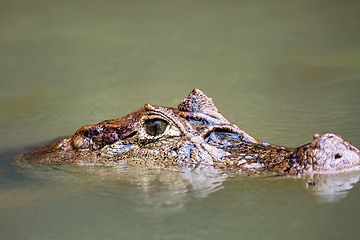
155, 126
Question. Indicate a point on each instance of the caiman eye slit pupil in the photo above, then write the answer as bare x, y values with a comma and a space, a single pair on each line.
155, 127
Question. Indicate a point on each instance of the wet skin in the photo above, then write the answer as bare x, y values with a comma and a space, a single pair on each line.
194, 135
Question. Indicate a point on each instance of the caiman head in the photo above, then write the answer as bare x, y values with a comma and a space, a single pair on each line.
153, 135
193, 135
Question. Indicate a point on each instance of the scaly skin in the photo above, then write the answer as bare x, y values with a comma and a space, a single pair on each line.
194, 135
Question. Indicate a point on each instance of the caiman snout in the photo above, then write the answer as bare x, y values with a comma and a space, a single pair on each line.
330, 153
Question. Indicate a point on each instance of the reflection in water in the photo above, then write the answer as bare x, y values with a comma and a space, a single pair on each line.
161, 189
333, 187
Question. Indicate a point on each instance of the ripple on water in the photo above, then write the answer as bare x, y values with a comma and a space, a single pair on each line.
23, 126
294, 126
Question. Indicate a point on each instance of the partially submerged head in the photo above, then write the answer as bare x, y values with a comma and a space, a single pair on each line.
194, 134
153, 135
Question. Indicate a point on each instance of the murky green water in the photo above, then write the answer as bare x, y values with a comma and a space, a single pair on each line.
280, 70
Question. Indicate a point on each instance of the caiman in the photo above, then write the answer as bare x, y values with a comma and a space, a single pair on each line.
196, 136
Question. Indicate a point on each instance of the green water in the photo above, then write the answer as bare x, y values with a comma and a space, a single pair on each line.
280, 70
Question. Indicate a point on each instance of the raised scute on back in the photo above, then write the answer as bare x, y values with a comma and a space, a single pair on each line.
330, 153
198, 102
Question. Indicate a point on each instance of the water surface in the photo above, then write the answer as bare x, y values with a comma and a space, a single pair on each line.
280, 70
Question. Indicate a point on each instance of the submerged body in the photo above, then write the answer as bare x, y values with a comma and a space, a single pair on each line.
194, 135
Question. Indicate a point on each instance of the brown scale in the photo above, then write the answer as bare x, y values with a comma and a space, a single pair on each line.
193, 135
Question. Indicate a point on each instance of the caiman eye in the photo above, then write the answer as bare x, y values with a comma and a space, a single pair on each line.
155, 127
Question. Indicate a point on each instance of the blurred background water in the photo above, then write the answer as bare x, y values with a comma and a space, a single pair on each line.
280, 70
